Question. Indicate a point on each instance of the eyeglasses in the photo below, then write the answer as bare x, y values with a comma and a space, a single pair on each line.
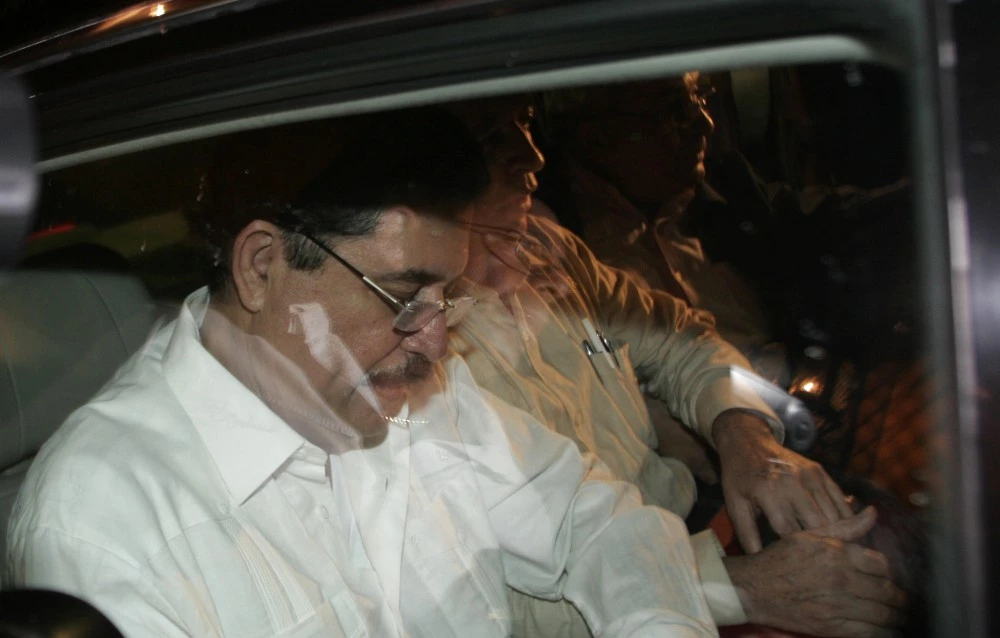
414, 314
686, 110
681, 111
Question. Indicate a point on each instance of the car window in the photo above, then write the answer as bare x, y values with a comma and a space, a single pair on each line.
775, 203
812, 158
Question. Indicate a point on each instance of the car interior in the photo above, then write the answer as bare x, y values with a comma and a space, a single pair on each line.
818, 126
115, 247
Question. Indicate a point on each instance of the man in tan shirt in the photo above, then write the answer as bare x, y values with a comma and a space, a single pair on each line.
542, 295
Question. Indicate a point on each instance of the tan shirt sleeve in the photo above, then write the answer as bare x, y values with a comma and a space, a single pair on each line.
676, 351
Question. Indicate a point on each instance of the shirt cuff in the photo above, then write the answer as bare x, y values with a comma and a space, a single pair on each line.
723, 601
721, 395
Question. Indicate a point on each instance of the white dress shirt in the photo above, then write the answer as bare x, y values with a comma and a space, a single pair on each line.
178, 504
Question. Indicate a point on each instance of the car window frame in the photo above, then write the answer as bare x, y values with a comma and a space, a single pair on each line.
912, 37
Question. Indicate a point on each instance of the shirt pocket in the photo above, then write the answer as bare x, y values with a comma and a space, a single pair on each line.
458, 592
453, 575
270, 596
618, 378
622, 355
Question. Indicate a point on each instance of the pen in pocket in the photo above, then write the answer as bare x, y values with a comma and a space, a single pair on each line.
598, 342
610, 350
589, 351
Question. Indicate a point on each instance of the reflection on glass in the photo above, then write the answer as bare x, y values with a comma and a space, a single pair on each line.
750, 253
811, 386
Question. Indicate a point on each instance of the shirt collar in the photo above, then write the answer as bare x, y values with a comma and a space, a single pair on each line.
247, 441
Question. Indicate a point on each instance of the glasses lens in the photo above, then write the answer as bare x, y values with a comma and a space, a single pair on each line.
416, 315
690, 110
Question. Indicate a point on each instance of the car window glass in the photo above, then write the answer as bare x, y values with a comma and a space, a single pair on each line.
778, 200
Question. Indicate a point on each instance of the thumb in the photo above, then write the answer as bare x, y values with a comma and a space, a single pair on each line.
849, 529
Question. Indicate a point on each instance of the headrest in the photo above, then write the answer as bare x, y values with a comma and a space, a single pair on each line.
36, 613
62, 336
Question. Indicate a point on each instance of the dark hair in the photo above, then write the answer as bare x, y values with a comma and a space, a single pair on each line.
424, 159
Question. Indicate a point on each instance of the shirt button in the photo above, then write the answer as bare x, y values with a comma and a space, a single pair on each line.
324, 514
442, 454
414, 540
223, 507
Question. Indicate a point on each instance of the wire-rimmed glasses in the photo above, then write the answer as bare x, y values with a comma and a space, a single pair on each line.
412, 314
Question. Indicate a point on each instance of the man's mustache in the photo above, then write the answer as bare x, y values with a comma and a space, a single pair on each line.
416, 368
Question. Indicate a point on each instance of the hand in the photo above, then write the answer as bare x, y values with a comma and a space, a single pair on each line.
759, 475
818, 583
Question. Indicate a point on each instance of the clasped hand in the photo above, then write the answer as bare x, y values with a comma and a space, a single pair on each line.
817, 579
759, 476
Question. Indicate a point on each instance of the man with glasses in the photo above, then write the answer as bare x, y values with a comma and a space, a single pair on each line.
294, 455
562, 336
634, 160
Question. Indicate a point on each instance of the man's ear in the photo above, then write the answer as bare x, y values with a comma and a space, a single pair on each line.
257, 253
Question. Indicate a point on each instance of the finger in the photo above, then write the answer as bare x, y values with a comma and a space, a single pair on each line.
824, 501
858, 629
873, 613
744, 519
876, 590
780, 514
868, 561
849, 529
837, 497
805, 508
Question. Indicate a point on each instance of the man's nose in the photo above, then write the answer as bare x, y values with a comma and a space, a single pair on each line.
524, 156
431, 340
703, 122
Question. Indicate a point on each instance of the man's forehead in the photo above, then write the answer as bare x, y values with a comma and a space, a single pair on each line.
644, 95
407, 242
662, 90
484, 114
399, 223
